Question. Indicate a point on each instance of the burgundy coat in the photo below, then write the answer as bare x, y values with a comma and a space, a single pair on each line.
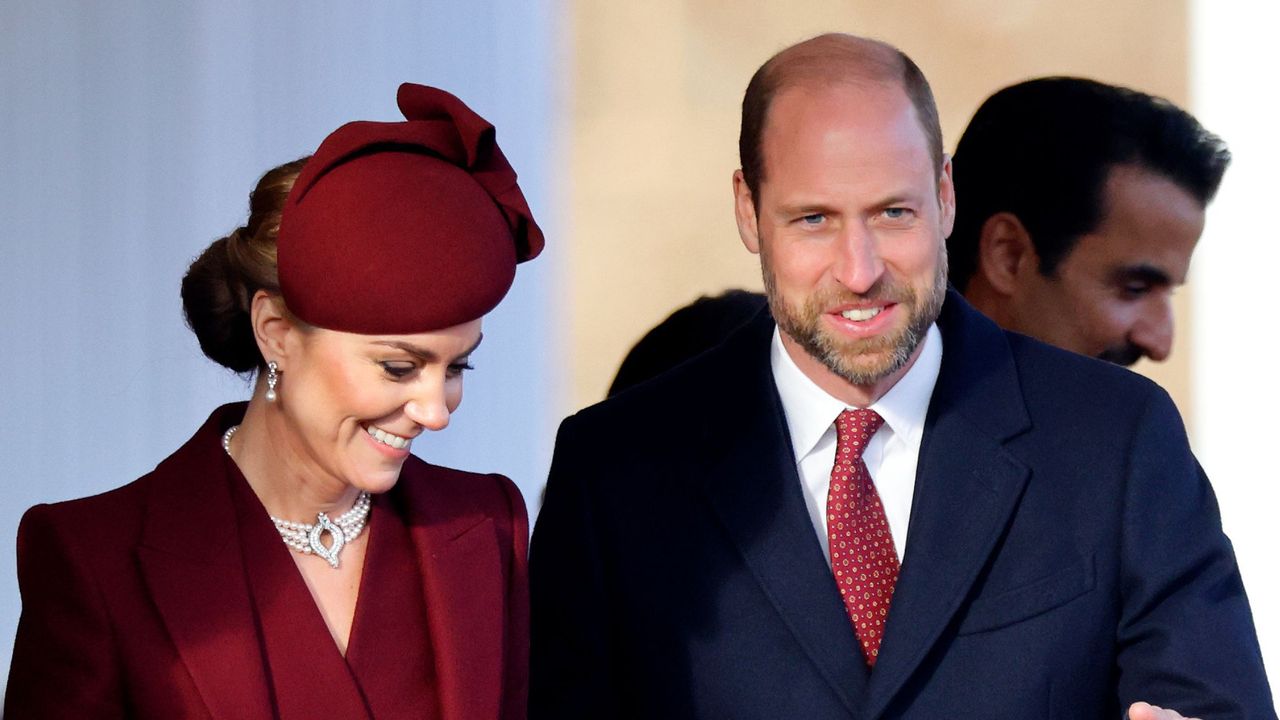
140, 602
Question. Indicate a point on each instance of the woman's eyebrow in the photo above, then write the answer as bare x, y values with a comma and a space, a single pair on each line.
422, 353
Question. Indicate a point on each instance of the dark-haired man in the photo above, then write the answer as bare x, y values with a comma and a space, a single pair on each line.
686, 333
1078, 207
883, 505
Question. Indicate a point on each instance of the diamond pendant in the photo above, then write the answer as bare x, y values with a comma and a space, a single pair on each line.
330, 553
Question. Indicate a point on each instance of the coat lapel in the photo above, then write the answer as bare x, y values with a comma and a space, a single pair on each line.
308, 676
754, 488
390, 649
462, 586
967, 489
190, 558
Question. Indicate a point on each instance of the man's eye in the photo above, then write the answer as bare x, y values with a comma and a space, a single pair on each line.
398, 370
897, 213
813, 219
1136, 288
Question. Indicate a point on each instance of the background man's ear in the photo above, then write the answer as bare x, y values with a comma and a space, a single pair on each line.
1005, 252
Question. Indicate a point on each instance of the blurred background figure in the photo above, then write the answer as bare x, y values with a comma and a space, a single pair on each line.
687, 332
1078, 205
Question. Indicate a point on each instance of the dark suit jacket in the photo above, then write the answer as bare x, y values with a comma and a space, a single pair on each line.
1064, 558
137, 602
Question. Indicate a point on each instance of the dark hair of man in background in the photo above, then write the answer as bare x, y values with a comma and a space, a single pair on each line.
1041, 150
686, 333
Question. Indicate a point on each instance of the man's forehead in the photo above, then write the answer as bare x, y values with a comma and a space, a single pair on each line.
866, 126
1148, 227
870, 108
1138, 185
853, 88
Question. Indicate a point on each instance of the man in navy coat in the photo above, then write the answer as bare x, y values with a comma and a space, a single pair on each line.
1017, 532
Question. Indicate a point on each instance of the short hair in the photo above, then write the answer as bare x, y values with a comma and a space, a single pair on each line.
1042, 151
686, 333
831, 58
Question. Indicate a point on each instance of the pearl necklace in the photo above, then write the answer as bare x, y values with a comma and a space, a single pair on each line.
306, 537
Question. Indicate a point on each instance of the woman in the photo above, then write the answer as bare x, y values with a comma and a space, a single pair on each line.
293, 560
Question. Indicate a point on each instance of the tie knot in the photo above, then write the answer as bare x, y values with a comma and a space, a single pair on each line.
854, 429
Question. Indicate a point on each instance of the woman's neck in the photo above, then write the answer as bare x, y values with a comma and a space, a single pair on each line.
274, 462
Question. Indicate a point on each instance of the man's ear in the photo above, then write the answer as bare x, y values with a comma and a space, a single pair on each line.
1005, 252
744, 211
272, 326
946, 198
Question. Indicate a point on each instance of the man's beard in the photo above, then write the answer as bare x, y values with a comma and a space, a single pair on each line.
865, 361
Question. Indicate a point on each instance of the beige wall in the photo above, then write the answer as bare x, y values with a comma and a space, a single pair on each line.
656, 90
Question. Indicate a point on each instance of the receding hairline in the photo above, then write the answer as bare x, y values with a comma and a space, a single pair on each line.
834, 58
828, 61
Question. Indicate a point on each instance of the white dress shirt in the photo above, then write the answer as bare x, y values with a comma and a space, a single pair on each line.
892, 454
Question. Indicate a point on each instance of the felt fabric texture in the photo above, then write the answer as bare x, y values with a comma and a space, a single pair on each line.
405, 227
145, 601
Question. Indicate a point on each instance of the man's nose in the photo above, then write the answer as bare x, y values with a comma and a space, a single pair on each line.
1154, 330
858, 265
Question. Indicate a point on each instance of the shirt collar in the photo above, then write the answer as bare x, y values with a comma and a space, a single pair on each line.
810, 411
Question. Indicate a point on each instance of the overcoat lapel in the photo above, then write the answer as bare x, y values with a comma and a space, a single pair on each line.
390, 651
309, 678
462, 587
967, 489
190, 559
754, 488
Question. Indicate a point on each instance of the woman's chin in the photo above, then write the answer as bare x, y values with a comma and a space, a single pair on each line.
375, 475
378, 481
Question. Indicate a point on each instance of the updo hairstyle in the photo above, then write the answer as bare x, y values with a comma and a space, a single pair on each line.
218, 288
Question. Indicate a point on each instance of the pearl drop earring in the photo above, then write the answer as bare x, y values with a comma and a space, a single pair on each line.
273, 377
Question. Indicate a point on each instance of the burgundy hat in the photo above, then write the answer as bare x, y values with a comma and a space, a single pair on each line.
404, 227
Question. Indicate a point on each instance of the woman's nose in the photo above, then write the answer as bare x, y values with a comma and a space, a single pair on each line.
429, 410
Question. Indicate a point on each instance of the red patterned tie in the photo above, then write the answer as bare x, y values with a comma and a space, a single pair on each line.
862, 554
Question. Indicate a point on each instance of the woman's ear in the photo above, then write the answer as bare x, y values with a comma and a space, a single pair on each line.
272, 326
